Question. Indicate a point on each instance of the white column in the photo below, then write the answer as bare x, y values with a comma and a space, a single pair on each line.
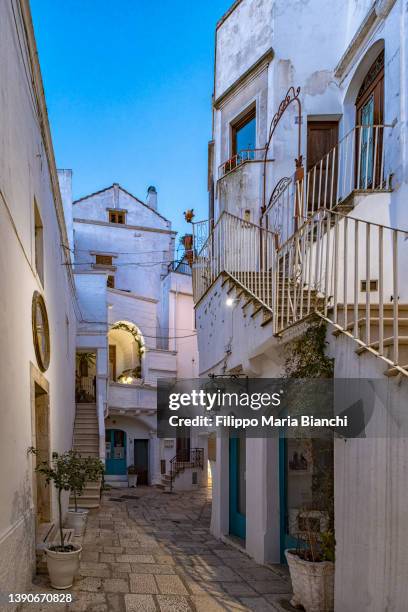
220, 489
262, 499
154, 459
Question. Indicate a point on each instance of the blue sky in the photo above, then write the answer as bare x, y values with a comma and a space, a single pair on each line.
128, 85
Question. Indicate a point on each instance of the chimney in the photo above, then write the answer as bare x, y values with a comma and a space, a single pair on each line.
151, 199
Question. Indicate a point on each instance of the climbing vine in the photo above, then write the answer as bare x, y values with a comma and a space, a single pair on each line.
137, 336
306, 356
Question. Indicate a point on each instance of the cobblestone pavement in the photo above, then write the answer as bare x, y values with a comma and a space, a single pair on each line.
145, 550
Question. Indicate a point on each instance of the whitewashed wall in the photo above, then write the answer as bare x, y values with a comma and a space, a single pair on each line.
26, 173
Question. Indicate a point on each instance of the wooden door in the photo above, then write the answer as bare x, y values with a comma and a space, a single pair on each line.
322, 137
141, 460
183, 445
370, 113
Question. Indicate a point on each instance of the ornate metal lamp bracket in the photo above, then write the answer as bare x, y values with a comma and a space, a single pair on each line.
292, 95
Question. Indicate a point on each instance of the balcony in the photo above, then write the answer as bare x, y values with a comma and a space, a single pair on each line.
238, 187
241, 158
358, 166
132, 399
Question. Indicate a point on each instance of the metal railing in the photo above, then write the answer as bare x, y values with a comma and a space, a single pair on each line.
356, 163
348, 271
192, 458
182, 266
344, 269
246, 155
242, 249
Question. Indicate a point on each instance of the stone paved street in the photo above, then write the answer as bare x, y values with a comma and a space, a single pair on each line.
145, 550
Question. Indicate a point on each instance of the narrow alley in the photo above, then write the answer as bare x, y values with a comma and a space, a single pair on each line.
145, 550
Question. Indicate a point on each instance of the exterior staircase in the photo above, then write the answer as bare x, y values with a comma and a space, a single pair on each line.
86, 442
324, 270
192, 459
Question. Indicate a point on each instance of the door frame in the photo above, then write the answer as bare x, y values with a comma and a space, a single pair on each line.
112, 430
286, 540
38, 379
237, 521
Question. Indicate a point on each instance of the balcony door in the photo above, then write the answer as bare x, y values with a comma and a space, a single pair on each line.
370, 113
322, 137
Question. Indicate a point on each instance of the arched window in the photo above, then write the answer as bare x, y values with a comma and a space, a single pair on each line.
370, 98
369, 116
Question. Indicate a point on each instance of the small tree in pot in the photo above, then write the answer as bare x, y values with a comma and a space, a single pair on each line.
62, 559
82, 470
311, 563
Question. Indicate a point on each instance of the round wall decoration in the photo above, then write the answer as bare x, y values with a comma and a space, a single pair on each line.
41, 332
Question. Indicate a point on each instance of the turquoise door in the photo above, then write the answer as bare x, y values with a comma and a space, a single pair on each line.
286, 540
115, 448
237, 488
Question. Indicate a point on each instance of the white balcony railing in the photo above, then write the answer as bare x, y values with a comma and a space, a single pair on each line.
346, 270
242, 249
131, 397
356, 163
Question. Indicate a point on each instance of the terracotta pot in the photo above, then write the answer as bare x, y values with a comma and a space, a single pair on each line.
62, 566
76, 520
312, 583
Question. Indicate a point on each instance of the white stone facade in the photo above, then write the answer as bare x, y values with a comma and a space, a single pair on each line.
37, 407
146, 295
263, 48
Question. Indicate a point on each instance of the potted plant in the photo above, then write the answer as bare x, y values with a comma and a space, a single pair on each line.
62, 559
311, 563
132, 476
82, 469
311, 568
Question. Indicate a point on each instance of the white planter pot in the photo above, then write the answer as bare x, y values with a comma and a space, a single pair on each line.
77, 520
132, 480
62, 566
312, 583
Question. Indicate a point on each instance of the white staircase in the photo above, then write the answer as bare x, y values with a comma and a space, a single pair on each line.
323, 270
86, 442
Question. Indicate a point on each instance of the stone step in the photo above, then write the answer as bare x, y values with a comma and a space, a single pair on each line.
387, 323
86, 421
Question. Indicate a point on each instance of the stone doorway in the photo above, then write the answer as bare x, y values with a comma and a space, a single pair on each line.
41, 442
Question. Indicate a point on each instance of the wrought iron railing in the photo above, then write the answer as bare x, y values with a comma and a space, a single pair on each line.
356, 163
246, 155
188, 458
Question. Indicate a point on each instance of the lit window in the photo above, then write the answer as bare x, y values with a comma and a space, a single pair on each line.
117, 216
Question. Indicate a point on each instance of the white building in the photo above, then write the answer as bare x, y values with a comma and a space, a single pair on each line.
138, 327
57, 382
38, 304
285, 246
